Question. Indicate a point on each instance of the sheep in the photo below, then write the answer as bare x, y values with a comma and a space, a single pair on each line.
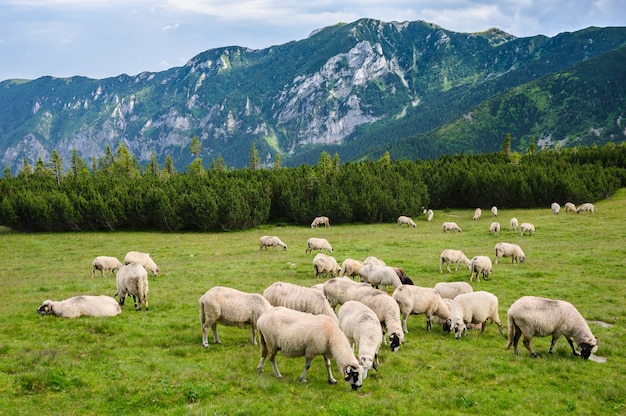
450, 226
362, 328
452, 256
271, 241
478, 265
450, 290
230, 307
338, 290
494, 228
350, 267
513, 251
585, 207
429, 215
319, 221
379, 275
476, 308
132, 279
104, 263
417, 300
145, 259
494, 211
323, 263
569, 207
373, 260
298, 334
555, 207
526, 227
535, 316
83, 305
318, 244
404, 278
477, 214
513, 224
403, 219
299, 298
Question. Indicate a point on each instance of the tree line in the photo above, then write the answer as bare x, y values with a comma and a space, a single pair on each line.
117, 193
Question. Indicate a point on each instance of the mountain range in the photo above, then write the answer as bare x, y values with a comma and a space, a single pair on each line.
357, 90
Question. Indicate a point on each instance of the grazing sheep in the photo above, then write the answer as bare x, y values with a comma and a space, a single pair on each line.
417, 300
477, 214
84, 305
555, 207
271, 241
452, 256
132, 279
450, 226
338, 290
534, 316
350, 267
362, 328
513, 251
145, 259
403, 219
513, 224
104, 263
494, 228
475, 308
379, 275
300, 298
478, 265
569, 207
323, 263
404, 278
526, 227
318, 244
230, 307
298, 334
585, 207
429, 215
450, 290
373, 260
319, 221
494, 211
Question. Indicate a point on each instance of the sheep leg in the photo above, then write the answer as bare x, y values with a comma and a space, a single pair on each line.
528, 347
307, 365
254, 335
516, 336
429, 324
216, 337
405, 317
331, 379
571, 344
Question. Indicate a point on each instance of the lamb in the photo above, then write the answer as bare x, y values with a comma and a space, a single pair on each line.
271, 241
450, 290
534, 316
494, 228
298, 334
429, 215
475, 308
452, 256
104, 263
350, 267
417, 300
319, 221
373, 260
403, 219
318, 244
494, 211
132, 279
323, 263
513, 224
362, 328
379, 275
230, 307
300, 298
478, 265
585, 207
509, 250
526, 227
569, 207
477, 214
83, 305
450, 226
145, 259
555, 207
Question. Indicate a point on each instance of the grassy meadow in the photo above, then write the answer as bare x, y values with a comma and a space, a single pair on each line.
153, 362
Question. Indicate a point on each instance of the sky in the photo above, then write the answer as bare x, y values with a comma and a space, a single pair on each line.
106, 38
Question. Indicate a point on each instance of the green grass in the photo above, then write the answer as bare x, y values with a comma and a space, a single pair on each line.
153, 362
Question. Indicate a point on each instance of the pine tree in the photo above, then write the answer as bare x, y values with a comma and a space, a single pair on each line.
196, 147
56, 165
255, 161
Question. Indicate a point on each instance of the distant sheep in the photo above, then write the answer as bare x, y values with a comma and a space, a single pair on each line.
569, 207
534, 316
300, 298
494, 211
526, 227
513, 224
362, 328
350, 267
378, 276
429, 215
403, 219
555, 207
320, 221
297, 334
494, 228
475, 308
373, 260
513, 251
84, 305
323, 263
415, 300
271, 241
145, 259
452, 256
450, 290
585, 207
450, 226
105, 263
318, 244
477, 214
132, 279
480, 265
230, 307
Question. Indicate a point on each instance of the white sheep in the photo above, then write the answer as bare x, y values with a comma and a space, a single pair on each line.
513, 224
555, 207
475, 308
300, 298
532, 316
513, 251
378, 276
569, 207
429, 215
145, 259
319, 221
350, 267
450, 226
478, 265
320, 244
323, 263
267, 241
494, 211
450, 290
298, 334
104, 263
526, 227
83, 305
452, 256
415, 300
585, 207
477, 214
132, 279
362, 328
373, 260
494, 228
338, 290
403, 219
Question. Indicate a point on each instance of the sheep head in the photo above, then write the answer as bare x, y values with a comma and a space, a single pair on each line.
45, 308
394, 342
354, 376
586, 349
